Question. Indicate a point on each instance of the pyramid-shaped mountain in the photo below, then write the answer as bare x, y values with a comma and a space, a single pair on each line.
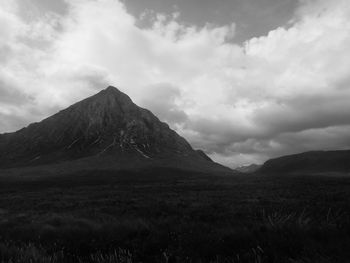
107, 124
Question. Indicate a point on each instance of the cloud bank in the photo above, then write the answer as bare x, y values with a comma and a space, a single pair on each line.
277, 94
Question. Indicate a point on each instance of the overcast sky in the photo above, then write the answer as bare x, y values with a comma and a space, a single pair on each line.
243, 80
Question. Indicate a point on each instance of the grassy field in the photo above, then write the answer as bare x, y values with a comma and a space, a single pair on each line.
172, 216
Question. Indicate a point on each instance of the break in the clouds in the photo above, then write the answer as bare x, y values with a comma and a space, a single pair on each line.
284, 92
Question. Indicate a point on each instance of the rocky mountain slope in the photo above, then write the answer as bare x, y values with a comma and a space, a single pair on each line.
107, 124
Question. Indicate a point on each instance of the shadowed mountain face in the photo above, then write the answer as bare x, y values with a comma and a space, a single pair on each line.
317, 161
106, 124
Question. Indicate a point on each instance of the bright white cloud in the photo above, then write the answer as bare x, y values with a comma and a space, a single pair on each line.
241, 104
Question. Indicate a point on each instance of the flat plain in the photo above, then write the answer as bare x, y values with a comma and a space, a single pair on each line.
169, 215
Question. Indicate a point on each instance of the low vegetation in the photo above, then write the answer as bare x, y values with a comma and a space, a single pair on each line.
167, 216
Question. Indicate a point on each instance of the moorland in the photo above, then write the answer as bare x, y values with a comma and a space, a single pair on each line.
171, 215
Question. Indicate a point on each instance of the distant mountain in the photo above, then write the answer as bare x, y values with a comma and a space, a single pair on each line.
316, 161
248, 168
107, 126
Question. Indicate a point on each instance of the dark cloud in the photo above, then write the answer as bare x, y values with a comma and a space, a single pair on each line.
11, 95
161, 100
331, 138
12, 122
304, 113
43, 6
217, 135
253, 18
5, 53
258, 150
303, 123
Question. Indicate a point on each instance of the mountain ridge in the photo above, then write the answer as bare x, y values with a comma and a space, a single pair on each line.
105, 124
310, 162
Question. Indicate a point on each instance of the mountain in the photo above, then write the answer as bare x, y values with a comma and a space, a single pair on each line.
106, 126
309, 162
248, 168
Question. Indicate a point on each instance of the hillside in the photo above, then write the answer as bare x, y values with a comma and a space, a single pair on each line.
104, 131
316, 161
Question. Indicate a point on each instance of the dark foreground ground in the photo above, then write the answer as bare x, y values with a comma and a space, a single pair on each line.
169, 216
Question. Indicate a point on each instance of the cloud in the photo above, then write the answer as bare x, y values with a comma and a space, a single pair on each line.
161, 99
281, 93
11, 95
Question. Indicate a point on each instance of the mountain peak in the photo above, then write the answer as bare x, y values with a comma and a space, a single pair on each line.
112, 90
107, 123
107, 101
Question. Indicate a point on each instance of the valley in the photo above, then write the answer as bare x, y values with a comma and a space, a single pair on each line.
105, 181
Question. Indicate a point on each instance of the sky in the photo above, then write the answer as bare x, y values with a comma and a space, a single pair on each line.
243, 80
